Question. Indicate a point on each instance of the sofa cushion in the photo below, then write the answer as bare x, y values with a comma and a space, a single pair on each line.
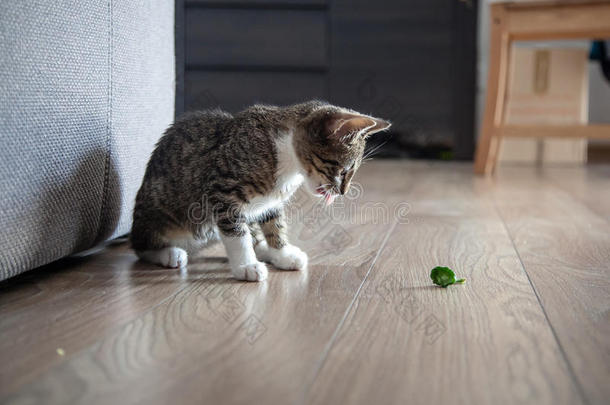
86, 89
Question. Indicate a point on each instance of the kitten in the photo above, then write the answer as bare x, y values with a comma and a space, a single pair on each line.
214, 176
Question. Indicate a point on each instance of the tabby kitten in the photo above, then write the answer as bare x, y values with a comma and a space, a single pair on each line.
214, 176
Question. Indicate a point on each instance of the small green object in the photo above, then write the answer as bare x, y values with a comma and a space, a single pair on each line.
444, 276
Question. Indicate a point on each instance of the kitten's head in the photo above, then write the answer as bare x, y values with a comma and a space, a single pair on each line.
330, 144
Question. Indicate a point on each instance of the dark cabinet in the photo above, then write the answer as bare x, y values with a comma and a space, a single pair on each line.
412, 62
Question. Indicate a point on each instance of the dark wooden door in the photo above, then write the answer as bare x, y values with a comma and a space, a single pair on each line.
412, 62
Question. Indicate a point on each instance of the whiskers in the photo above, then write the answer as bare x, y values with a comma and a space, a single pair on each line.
329, 197
368, 155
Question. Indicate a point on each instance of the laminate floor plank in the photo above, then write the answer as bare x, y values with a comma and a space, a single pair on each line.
589, 184
72, 304
564, 245
220, 340
363, 324
406, 341
217, 337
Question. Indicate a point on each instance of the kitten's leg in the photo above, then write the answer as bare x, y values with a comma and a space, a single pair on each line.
173, 257
238, 244
275, 247
178, 245
157, 248
154, 244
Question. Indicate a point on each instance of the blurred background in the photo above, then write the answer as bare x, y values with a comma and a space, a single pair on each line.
413, 63
422, 64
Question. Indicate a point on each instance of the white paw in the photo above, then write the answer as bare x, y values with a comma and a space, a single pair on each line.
256, 271
168, 257
173, 257
289, 257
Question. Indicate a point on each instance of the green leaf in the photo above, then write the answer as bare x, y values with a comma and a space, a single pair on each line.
444, 276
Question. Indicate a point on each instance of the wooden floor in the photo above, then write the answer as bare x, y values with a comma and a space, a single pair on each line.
363, 325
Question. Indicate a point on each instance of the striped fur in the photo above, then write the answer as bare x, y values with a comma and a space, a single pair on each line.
215, 173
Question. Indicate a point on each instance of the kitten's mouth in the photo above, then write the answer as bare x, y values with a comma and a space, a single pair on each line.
327, 194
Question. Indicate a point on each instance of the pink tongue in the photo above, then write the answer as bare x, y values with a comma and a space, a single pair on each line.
329, 198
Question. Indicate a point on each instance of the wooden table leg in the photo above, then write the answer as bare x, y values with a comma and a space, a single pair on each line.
499, 50
500, 112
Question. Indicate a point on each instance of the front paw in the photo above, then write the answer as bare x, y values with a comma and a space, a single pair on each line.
256, 271
287, 258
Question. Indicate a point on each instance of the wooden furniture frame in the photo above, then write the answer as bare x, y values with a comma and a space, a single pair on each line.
526, 21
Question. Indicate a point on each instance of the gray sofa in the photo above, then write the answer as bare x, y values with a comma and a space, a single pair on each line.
86, 89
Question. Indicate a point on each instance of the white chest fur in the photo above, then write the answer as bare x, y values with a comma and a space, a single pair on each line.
282, 192
289, 177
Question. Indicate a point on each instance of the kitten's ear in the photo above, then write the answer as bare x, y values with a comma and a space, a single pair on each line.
380, 125
348, 127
